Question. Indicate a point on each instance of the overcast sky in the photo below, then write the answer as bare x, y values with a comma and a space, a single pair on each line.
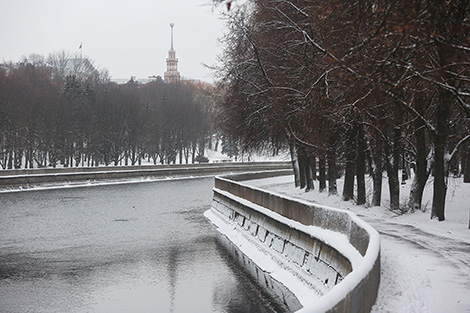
127, 37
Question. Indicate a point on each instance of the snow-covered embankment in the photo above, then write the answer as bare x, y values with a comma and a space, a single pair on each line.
32, 178
329, 258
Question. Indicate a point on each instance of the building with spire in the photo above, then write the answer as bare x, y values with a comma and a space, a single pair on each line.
172, 75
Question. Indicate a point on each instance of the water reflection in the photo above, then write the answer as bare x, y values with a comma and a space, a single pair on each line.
172, 275
277, 297
124, 248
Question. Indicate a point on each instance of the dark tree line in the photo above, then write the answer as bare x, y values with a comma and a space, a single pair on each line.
375, 86
62, 111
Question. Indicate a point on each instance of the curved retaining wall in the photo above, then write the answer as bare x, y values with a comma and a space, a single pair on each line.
26, 177
350, 275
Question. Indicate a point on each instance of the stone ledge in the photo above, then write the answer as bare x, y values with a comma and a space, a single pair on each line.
352, 285
34, 177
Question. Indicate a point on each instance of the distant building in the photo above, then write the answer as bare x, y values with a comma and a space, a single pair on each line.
172, 75
135, 80
80, 67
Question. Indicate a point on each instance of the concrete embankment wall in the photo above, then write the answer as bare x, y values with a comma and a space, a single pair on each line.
351, 279
32, 177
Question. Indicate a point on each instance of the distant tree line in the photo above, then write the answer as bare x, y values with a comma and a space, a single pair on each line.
60, 110
376, 86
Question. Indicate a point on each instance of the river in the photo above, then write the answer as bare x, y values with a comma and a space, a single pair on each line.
142, 247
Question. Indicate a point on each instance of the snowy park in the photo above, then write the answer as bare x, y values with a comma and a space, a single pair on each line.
118, 121
424, 263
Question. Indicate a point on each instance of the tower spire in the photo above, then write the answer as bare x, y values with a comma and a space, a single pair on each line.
172, 75
172, 25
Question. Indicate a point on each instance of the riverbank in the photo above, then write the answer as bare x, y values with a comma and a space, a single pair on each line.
53, 177
425, 263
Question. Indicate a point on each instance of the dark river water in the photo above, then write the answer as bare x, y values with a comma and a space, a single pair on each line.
120, 248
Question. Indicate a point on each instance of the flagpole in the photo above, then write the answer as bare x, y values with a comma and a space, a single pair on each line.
81, 50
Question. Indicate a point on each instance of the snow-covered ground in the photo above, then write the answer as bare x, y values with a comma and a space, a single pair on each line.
217, 156
425, 263
214, 156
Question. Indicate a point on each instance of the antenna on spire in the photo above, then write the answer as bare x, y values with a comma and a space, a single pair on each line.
172, 25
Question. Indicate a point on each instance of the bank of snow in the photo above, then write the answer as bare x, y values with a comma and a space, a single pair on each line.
297, 279
425, 264
277, 266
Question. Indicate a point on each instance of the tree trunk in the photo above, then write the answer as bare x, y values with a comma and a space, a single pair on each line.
10, 159
26, 158
404, 170
202, 145
443, 112
322, 173
193, 153
361, 168
440, 186
394, 187
440, 166
348, 188
377, 170
302, 167
186, 154
216, 143
31, 158
466, 164
306, 180
313, 166
295, 164
332, 189
308, 173
313, 170
393, 160
422, 172
18, 158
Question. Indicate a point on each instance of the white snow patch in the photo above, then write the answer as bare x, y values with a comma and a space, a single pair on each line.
81, 184
334, 239
276, 265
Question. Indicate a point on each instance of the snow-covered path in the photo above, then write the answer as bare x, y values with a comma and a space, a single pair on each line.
425, 264
421, 272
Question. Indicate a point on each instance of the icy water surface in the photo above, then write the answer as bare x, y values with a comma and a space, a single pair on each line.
122, 248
